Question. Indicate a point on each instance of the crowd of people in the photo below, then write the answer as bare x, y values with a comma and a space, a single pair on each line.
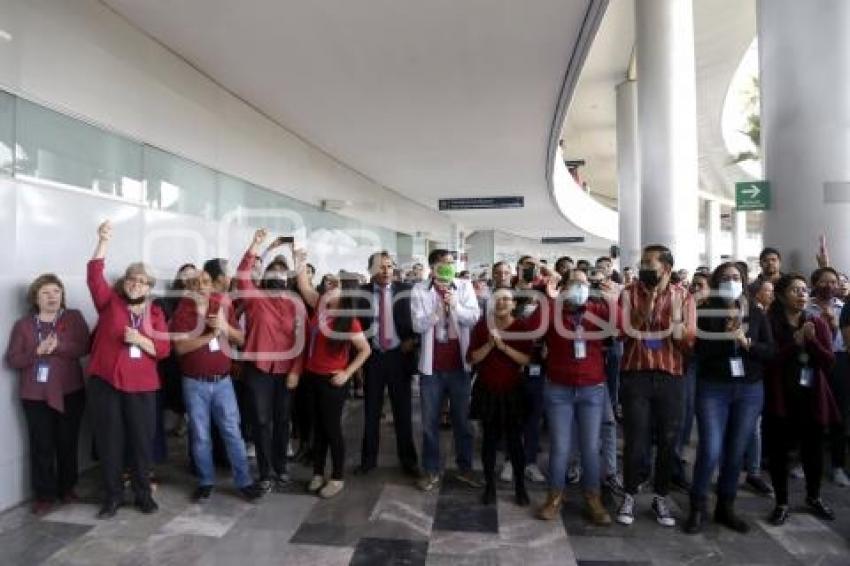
261, 356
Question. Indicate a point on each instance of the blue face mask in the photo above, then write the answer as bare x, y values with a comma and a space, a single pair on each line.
730, 290
577, 294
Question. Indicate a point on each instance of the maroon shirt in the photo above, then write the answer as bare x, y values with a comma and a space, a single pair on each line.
110, 355
498, 372
65, 374
202, 362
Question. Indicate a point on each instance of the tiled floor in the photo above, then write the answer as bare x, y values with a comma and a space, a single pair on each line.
384, 519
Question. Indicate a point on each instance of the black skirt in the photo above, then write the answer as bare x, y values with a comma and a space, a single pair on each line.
508, 408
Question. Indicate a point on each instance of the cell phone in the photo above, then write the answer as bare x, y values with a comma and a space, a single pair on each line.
529, 274
283, 240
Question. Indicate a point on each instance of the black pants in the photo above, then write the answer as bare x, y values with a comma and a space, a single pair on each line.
53, 438
121, 418
491, 437
303, 415
651, 401
269, 402
326, 403
781, 435
388, 370
839, 434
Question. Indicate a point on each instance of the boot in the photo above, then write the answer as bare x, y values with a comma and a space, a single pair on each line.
697, 516
724, 513
552, 507
595, 510
520, 494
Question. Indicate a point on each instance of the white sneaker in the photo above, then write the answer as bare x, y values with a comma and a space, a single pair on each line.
290, 450
839, 478
626, 512
315, 484
250, 450
533, 474
331, 488
507, 474
662, 512
797, 472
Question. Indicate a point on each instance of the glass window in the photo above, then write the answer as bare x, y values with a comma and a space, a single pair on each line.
58, 148
179, 185
7, 132
255, 206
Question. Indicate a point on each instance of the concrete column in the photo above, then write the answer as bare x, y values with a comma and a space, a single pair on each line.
712, 233
804, 51
667, 116
739, 234
628, 173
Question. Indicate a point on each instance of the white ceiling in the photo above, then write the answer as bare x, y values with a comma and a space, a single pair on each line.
443, 98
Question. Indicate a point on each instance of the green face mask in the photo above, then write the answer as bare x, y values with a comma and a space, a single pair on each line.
445, 271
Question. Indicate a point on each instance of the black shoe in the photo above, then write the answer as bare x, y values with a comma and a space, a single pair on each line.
489, 496
779, 516
758, 485
281, 481
820, 509
695, 520
412, 471
521, 496
265, 486
146, 504
202, 493
724, 513
681, 484
251, 493
108, 509
363, 470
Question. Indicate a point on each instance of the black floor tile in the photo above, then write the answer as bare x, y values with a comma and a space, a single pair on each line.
378, 552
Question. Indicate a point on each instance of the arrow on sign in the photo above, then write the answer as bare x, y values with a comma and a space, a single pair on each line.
752, 192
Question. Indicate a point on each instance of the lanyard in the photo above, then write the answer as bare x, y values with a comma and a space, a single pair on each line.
136, 320
50, 325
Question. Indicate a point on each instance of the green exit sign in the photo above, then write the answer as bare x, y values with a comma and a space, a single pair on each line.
752, 195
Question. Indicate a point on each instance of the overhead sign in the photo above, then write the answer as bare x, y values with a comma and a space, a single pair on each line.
752, 195
563, 240
479, 203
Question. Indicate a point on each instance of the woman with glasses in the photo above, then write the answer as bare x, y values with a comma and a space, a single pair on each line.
733, 344
130, 338
799, 404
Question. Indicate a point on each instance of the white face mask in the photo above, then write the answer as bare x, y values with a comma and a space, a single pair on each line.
730, 290
577, 294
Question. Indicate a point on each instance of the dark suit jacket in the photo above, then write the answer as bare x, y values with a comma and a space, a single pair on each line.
401, 310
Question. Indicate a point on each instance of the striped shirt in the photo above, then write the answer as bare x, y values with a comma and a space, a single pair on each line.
660, 339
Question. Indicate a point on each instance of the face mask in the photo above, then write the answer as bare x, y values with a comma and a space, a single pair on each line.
275, 283
730, 290
136, 301
445, 272
577, 294
649, 277
824, 293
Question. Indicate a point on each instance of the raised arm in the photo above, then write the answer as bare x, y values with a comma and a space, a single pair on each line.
98, 286
310, 295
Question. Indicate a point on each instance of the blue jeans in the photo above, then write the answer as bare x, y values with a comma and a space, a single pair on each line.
583, 406
433, 389
613, 357
726, 416
752, 457
607, 440
206, 401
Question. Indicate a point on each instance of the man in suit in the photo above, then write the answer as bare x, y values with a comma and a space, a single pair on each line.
392, 362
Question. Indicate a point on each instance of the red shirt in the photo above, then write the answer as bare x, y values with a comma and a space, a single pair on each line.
65, 374
110, 355
673, 304
325, 356
447, 355
562, 366
274, 337
203, 361
498, 372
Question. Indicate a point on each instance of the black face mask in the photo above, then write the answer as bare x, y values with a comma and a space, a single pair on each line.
649, 277
275, 284
136, 301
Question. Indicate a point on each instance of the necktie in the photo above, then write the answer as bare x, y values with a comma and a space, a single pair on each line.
385, 319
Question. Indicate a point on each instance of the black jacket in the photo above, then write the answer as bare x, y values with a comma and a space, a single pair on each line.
713, 355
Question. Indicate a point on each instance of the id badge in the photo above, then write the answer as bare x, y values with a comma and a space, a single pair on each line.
214, 345
736, 367
534, 370
807, 377
441, 333
580, 349
135, 352
653, 344
42, 372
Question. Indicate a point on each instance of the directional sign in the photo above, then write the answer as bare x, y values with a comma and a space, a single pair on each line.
752, 195
562, 240
478, 203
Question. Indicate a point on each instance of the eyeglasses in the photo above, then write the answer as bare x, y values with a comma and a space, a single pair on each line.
799, 291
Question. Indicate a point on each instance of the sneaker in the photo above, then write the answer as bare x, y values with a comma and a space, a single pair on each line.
613, 484
250, 450
316, 484
573, 474
820, 509
779, 516
626, 512
797, 472
281, 481
108, 509
265, 486
533, 474
202, 493
290, 450
839, 477
428, 482
331, 488
469, 478
147, 505
662, 512
757, 484
251, 493
507, 474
